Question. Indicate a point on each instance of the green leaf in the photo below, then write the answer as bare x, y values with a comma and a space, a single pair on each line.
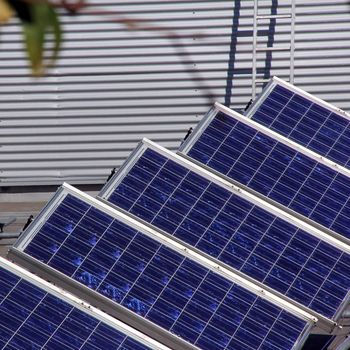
34, 40
45, 21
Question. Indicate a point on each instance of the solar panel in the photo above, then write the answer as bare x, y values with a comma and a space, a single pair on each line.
274, 166
305, 119
126, 265
35, 315
234, 227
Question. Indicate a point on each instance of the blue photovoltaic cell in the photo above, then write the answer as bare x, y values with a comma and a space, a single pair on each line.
158, 283
308, 123
31, 318
276, 171
236, 232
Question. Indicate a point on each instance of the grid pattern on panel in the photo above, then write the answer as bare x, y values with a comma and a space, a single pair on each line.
31, 318
158, 283
276, 171
235, 232
313, 126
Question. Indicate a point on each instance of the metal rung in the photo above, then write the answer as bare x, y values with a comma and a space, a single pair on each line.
273, 49
9, 235
258, 48
273, 16
261, 81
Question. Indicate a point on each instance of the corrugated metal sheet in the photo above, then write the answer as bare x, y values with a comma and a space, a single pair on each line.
113, 86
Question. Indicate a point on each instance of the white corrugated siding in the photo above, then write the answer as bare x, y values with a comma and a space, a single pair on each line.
113, 86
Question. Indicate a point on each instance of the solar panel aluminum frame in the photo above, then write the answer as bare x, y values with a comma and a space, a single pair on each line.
200, 127
277, 81
192, 139
345, 345
16, 253
233, 186
81, 305
218, 179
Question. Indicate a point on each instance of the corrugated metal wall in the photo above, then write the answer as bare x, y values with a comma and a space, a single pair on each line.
113, 86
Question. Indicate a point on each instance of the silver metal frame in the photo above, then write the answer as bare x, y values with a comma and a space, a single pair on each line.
81, 305
333, 239
230, 113
273, 202
277, 81
302, 338
124, 168
131, 319
225, 270
17, 253
345, 345
343, 306
119, 311
40, 219
255, 37
292, 41
328, 233
280, 211
260, 98
256, 48
201, 126
319, 227
261, 128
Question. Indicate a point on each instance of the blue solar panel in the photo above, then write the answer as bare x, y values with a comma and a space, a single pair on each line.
235, 231
305, 121
276, 170
158, 283
31, 318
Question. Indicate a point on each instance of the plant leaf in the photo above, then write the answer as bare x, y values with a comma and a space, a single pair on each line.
34, 41
45, 21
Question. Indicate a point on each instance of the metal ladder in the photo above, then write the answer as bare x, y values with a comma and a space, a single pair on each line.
257, 48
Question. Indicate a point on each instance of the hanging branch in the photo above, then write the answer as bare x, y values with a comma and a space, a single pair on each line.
39, 18
174, 38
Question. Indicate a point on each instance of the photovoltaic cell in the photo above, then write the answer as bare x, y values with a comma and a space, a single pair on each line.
31, 318
235, 231
305, 121
275, 170
158, 283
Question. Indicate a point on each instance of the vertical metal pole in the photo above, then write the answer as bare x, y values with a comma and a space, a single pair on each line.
292, 42
255, 35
